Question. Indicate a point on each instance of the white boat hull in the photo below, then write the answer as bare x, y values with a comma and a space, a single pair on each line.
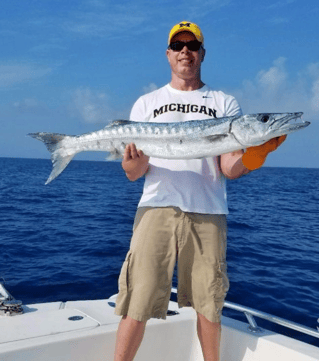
45, 333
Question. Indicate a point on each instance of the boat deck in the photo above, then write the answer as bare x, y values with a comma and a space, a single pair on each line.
86, 331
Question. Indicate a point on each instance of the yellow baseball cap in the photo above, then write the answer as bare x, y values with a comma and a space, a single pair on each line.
186, 26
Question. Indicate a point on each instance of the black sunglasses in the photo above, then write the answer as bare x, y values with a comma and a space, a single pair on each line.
192, 45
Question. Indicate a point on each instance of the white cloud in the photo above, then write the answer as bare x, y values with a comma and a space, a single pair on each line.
27, 104
273, 79
150, 88
110, 19
275, 90
313, 72
280, 4
94, 107
200, 8
90, 106
278, 20
315, 96
14, 74
32, 106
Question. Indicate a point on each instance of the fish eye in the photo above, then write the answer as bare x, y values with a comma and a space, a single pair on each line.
264, 118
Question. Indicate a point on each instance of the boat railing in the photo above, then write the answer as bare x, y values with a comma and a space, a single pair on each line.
250, 313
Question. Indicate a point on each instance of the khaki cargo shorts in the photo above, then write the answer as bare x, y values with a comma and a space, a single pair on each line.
161, 237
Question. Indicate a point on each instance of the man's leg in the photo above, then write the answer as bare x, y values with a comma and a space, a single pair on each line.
202, 276
209, 337
128, 339
148, 270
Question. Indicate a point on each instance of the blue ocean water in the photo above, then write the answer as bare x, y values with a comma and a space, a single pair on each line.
67, 240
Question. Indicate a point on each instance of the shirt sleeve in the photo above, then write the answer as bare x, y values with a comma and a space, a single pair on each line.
138, 111
232, 107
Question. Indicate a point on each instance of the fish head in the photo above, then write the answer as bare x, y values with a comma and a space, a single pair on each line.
256, 129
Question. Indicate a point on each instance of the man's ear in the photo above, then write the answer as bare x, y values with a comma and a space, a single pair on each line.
203, 54
167, 52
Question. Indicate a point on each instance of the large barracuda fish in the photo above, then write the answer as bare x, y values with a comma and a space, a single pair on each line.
181, 140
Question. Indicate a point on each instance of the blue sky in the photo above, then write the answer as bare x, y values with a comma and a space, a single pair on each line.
72, 66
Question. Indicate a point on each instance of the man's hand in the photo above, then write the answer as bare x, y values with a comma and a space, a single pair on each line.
255, 157
134, 163
236, 164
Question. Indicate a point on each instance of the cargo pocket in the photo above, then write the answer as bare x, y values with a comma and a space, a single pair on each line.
223, 281
124, 275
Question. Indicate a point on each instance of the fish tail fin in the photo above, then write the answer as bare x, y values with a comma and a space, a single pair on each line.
59, 164
59, 160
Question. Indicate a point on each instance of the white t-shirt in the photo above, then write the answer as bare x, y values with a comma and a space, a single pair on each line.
193, 185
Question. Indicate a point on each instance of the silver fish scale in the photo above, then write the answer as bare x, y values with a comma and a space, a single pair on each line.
168, 129
182, 140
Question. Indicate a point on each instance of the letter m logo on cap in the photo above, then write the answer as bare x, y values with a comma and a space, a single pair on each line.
185, 24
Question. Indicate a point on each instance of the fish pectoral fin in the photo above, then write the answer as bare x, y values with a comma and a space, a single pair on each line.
119, 122
114, 155
215, 137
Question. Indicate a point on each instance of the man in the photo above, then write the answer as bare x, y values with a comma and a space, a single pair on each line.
182, 213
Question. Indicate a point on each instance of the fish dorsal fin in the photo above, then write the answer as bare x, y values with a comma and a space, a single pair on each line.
119, 122
215, 137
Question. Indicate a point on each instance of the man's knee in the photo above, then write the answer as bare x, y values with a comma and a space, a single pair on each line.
203, 320
129, 320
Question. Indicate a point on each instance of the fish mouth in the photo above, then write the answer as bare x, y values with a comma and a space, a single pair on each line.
288, 123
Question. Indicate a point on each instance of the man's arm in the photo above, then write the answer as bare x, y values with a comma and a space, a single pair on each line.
134, 163
232, 166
